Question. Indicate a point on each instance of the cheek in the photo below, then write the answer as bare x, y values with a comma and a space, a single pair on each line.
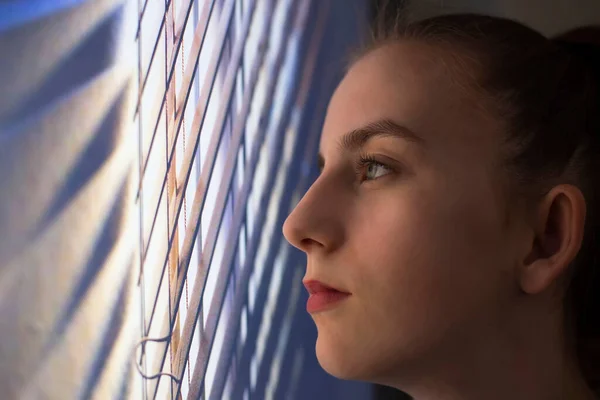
421, 268
428, 251
414, 260
425, 269
420, 236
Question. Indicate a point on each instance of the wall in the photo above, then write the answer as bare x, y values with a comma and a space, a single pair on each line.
548, 16
65, 199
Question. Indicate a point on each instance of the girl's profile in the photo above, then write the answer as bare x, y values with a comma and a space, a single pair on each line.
452, 235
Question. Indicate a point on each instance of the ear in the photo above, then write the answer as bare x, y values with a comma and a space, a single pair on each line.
558, 227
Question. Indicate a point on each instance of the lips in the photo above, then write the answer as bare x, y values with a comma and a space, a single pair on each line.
323, 297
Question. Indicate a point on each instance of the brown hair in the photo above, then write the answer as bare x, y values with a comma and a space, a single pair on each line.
547, 92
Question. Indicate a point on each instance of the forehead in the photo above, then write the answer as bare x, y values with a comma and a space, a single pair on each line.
413, 85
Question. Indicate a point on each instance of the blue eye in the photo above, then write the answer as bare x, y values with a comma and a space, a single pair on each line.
376, 170
369, 169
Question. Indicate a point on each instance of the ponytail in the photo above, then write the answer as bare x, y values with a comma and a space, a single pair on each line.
583, 295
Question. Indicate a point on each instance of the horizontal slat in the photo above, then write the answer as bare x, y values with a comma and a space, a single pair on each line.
241, 289
200, 195
224, 113
180, 24
229, 168
200, 33
201, 109
197, 122
224, 272
221, 369
240, 295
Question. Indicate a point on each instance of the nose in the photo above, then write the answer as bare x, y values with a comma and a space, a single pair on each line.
315, 222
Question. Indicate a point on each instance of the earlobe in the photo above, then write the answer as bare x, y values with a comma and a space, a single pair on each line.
558, 228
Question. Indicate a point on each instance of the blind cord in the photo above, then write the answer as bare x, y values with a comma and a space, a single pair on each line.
139, 366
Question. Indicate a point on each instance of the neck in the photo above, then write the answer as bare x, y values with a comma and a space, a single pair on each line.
527, 364
523, 382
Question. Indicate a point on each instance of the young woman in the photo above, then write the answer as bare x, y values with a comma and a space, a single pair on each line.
452, 236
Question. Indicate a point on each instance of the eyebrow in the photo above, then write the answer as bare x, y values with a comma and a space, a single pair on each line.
357, 138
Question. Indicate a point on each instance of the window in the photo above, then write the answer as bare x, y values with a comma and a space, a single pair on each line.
222, 86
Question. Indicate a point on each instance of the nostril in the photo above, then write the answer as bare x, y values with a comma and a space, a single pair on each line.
307, 243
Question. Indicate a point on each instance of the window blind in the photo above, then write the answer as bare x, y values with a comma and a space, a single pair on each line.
222, 85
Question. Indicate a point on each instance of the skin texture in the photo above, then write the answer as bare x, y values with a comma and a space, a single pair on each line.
454, 293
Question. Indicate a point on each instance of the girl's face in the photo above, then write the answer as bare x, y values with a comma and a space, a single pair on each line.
409, 216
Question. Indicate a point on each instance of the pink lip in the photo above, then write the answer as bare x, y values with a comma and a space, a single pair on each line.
322, 297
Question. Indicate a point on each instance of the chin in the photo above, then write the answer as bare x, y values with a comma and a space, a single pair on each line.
346, 362
337, 362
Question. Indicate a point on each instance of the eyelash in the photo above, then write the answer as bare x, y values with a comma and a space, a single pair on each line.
366, 160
